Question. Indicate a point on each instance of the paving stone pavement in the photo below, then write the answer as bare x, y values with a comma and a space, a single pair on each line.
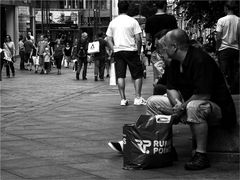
55, 127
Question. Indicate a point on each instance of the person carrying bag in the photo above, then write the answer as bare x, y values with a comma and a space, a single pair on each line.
9, 48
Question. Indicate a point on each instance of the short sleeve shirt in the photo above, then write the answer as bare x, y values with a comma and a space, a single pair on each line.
123, 30
201, 75
102, 48
28, 46
227, 26
41, 46
158, 22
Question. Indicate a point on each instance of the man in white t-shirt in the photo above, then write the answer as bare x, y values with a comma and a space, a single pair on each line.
228, 34
124, 37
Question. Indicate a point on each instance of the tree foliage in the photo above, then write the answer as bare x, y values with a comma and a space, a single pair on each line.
145, 8
200, 12
205, 12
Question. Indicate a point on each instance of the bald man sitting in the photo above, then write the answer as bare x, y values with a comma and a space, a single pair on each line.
196, 93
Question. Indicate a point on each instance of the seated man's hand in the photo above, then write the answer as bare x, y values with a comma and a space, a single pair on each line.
179, 117
178, 112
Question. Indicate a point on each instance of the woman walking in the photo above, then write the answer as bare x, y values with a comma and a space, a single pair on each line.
9, 48
58, 55
67, 54
21, 52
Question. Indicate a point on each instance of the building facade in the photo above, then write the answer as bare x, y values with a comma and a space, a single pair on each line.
9, 18
71, 17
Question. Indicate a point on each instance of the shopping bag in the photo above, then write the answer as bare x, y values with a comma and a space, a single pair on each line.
112, 81
35, 60
93, 47
148, 143
65, 62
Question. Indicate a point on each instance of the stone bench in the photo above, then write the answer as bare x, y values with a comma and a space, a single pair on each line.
224, 145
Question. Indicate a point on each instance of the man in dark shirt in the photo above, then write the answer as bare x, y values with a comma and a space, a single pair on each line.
159, 21
196, 93
28, 44
99, 58
156, 23
82, 48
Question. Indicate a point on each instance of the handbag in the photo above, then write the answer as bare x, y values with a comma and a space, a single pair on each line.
112, 81
7, 57
64, 62
148, 143
93, 47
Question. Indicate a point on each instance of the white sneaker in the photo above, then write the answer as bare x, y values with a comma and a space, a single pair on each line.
124, 102
140, 101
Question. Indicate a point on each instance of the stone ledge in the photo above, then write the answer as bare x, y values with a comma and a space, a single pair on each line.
224, 145
224, 157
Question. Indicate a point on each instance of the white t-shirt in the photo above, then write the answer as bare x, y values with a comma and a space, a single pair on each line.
227, 25
123, 29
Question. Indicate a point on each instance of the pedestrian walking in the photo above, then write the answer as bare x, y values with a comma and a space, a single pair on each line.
148, 52
228, 37
99, 58
28, 44
108, 59
42, 44
58, 52
82, 48
3, 60
67, 54
10, 52
21, 52
154, 24
74, 55
35, 58
124, 37
47, 59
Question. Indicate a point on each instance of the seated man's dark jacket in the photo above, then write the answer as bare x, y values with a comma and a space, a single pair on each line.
201, 75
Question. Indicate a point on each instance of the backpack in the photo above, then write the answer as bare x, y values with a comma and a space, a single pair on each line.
81, 52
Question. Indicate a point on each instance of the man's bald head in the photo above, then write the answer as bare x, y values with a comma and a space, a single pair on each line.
178, 37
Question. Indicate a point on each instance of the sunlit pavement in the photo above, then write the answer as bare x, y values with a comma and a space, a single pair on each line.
55, 127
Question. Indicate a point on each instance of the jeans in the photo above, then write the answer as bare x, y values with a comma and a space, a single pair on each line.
58, 61
10, 65
22, 60
82, 61
99, 66
229, 64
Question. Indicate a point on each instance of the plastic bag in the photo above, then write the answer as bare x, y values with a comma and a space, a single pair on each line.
93, 47
112, 81
148, 143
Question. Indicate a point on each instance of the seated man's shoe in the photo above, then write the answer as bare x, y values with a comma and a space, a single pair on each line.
116, 146
198, 162
139, 101
124, 102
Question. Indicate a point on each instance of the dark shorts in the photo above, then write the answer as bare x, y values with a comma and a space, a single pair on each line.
41, 60
130, 59
27, 58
